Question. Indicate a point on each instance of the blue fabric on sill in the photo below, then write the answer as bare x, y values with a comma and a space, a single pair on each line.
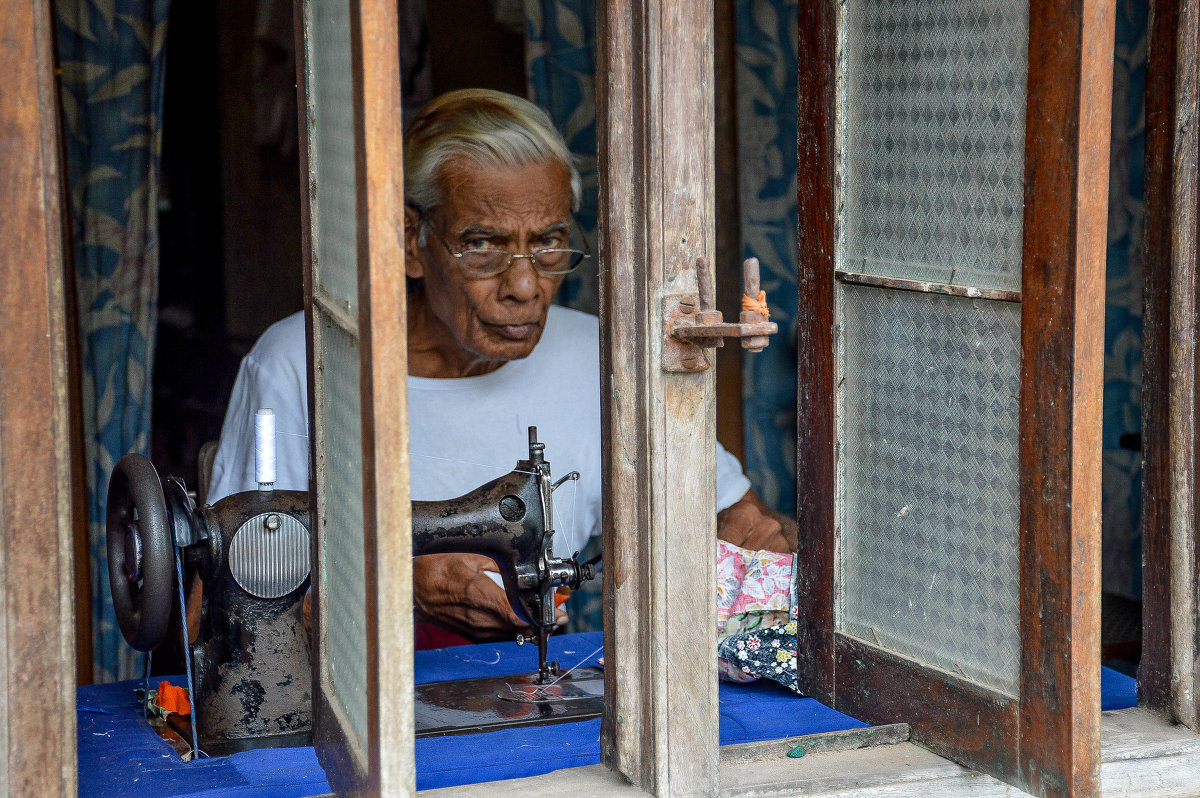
120, 755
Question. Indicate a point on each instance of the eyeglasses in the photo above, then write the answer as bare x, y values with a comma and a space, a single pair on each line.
493, 261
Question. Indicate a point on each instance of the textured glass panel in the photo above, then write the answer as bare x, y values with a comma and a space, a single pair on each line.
332, 147
933, 140
929, 530
343, 574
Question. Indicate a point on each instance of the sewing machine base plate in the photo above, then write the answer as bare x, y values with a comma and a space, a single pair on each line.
469, 706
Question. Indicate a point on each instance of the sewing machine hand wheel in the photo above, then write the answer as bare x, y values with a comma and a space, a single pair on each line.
141, 559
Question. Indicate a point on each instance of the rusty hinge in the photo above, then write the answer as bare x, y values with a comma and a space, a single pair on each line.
692, 324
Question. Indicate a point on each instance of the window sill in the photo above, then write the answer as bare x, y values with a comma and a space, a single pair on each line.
1143, 756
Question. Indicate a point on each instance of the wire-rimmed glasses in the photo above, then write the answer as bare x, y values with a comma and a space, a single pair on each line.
493, 261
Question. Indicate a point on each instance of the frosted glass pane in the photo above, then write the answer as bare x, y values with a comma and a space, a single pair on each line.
933, 140
332, 146
929, 527
343, 573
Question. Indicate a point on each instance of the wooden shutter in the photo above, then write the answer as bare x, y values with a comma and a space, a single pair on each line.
354, 300
953, 194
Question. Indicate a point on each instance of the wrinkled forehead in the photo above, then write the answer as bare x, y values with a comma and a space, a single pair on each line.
535, 194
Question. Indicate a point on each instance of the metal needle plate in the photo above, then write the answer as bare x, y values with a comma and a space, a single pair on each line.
468, 706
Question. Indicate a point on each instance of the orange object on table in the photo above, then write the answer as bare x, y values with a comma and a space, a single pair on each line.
173, 699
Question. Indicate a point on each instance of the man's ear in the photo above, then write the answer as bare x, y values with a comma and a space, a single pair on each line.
414, 267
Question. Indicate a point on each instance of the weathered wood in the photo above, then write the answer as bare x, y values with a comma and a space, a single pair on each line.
816, 399
926, 287
822, 743
654, 62
37, 634
1143, 758
1171, 605
1068, 117
975, 726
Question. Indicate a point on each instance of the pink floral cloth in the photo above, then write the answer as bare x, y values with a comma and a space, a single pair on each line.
756, 621
751, 581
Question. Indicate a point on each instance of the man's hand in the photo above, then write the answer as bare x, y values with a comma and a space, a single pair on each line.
749, 524
454, 591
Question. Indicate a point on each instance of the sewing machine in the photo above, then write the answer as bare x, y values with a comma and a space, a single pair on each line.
252, 550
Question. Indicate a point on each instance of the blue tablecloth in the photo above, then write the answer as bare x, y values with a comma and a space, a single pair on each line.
119, 754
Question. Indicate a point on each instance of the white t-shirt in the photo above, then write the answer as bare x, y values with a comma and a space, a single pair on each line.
462, 432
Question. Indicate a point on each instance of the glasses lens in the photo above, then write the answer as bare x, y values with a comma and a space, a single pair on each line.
558, 261
484, 262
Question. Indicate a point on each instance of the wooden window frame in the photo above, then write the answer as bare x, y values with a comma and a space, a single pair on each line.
37, 629
1168, 683
44, 760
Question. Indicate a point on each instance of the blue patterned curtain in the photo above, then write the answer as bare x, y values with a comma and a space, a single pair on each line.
561, 59
112, 62
561, 77
767, 97
1122, 512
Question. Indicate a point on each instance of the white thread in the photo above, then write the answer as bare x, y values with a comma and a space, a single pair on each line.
264, 446
540, 690
574, 495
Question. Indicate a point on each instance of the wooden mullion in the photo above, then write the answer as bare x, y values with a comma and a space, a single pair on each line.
928, 287
951, 713
654, 59
1062, 335
816, 404
1171, 605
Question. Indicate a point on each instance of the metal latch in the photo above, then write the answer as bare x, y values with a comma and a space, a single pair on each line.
691, 322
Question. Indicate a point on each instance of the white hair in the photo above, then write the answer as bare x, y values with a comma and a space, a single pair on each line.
489, 127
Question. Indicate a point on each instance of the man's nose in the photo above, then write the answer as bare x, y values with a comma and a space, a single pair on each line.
520, 281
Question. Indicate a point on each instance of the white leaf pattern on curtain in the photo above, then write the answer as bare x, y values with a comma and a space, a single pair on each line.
112, 104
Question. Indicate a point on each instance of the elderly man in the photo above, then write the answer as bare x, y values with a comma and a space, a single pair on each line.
489, 188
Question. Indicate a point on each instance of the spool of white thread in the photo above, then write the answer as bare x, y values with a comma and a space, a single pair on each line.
264, 448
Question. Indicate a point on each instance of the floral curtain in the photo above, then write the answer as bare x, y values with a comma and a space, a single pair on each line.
112, 60
560, 62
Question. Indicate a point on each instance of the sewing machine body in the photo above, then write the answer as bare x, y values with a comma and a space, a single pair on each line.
252, 550
251, 660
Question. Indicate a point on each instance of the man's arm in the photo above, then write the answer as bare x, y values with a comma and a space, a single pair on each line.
752, 525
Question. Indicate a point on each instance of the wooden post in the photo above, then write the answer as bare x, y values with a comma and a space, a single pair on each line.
37, 635
1167, 681
1067, 127
654, 74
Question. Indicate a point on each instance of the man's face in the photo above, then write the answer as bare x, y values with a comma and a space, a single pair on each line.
499, 318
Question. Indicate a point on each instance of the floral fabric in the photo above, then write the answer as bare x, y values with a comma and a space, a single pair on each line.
768, 652
751, 581
756, 622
